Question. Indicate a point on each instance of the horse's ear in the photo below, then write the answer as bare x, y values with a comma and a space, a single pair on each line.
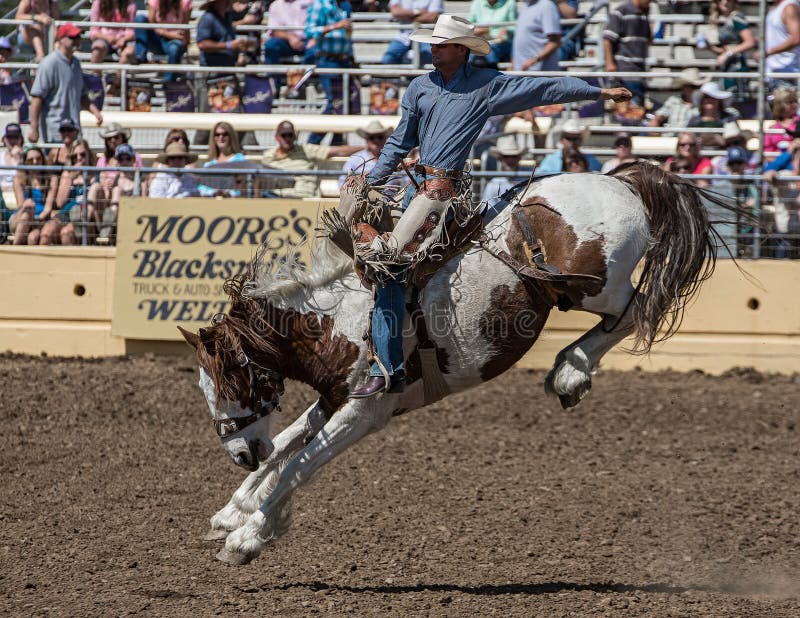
191, 338
207, 340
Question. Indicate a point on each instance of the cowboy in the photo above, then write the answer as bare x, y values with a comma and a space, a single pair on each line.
362, 162
443, 113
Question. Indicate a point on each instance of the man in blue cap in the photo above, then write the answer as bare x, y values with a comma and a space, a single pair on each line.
443, 113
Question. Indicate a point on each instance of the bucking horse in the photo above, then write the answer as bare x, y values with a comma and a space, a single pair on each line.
475, 317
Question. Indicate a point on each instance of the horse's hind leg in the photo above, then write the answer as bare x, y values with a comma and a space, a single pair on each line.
258, 484
571, 376
346, 427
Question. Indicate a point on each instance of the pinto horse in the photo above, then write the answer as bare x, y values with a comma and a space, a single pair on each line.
308, 325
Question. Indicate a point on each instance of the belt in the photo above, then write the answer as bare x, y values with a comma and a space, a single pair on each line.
435, 171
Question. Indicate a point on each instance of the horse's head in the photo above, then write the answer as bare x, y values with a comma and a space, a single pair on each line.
242, 385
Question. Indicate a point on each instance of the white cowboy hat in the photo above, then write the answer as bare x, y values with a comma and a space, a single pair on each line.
732, 129
712, 90
572, 127
374, 128
506, 145
454, 30
692, 77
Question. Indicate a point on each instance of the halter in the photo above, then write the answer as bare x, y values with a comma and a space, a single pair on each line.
261, 408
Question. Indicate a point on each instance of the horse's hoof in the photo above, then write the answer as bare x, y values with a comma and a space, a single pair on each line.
233, 558
216, 535
573, 399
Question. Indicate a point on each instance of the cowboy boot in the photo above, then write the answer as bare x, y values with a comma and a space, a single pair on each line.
377, 384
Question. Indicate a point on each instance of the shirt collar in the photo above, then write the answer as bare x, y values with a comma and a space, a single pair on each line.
466, 71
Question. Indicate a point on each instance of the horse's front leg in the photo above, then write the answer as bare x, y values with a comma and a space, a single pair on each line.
258, 484
347, 426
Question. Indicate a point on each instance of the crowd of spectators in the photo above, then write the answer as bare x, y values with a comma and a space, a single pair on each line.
320, 32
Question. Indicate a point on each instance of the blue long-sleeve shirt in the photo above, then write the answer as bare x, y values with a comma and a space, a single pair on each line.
445, 120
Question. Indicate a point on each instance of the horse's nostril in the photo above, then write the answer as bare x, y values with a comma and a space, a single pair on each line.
242, 460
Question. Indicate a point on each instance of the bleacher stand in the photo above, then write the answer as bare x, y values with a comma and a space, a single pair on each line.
678, 27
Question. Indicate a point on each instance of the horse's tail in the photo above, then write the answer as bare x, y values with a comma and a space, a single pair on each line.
681, 254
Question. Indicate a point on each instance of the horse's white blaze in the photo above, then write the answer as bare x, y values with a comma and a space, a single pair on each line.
239, 442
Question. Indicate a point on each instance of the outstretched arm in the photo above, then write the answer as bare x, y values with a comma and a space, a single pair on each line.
511, 94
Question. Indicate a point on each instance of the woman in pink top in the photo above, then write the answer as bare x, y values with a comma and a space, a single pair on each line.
108, 39
688, 149
169, 41
784, 111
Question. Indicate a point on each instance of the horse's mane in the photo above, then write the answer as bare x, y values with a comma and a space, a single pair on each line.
286, 279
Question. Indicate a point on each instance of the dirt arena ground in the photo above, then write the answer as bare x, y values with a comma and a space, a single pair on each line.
661, 495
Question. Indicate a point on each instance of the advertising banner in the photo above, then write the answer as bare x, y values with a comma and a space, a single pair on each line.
93, 86
174, 256
178, 97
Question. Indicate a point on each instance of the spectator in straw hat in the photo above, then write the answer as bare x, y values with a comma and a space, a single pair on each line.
113, 136
679, 108
509, 153
174, 184
362, 162
572, 136
732, 136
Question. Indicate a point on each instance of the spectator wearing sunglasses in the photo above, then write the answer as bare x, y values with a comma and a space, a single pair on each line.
688, 147
223, 147
69, 133
572, 136
289, 155
35, 195
72, 195
104, 196
174, 184
58, 91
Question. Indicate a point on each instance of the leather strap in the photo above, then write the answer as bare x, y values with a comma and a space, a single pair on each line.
532, 247
419, 168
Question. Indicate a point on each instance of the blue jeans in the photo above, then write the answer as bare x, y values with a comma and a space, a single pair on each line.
387, 328
397, 50
328, 82
275, 49
388, 313
149, 41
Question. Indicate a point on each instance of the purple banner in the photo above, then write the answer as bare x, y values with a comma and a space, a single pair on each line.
258, 93
178, 97
93, 84
14, 96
